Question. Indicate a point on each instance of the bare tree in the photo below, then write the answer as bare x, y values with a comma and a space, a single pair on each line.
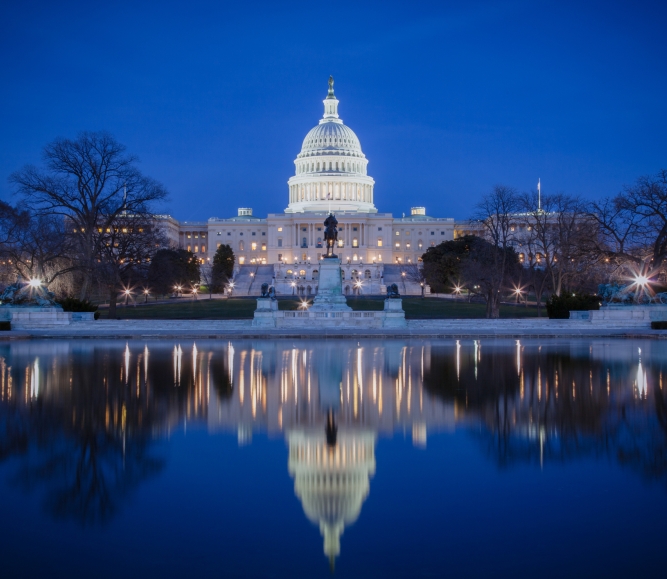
633, 224
414, 273
40, 249
89, 182
127, 249
557, 234
496, 213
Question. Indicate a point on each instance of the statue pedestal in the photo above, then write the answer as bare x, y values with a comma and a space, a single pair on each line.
330, 296
394, 316
264, 314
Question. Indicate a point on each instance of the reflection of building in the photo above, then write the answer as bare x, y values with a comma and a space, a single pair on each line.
538, 401
332, 483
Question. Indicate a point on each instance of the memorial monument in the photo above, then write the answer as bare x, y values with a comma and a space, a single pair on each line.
329, 308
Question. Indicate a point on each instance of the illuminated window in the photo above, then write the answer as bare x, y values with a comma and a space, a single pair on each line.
196, 249
302, 272
398, 245
398, 233
340, 243
253, 246
280, 229
203, 249
263, 246
379, 242
241, 246
241, 260
219, 244
355, 242
189, 248
407, 246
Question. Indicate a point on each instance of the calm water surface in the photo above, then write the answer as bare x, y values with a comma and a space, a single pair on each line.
365, 459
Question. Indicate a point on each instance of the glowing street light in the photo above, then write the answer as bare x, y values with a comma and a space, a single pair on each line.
35, 283
293, 284
304, 305
127, 293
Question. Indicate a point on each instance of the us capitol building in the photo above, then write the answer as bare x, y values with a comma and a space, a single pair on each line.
283, 249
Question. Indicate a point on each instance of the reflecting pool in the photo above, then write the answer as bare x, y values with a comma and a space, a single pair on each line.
373, 458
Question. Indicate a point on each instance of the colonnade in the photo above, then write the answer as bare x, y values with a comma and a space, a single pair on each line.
345, 232
331, 191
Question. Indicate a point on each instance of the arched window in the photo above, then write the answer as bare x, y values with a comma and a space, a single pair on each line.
302, 273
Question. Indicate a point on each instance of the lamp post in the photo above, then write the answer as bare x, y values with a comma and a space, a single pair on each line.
146, 292
293, 284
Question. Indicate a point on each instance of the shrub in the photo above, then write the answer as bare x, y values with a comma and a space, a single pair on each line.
661, 325
76, 305
5, 326
559, 307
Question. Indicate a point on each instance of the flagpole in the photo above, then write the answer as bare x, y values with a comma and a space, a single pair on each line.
539, 195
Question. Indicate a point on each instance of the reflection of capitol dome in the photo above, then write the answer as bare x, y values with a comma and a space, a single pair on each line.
331, 483
331, 170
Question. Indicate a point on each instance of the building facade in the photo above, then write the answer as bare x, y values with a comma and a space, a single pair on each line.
331, 175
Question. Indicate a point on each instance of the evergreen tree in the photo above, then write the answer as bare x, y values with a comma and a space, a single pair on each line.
223, 267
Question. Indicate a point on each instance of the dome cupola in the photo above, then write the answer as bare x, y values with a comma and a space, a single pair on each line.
331, 169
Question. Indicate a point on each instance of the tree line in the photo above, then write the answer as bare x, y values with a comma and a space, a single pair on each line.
84, 224
555, 244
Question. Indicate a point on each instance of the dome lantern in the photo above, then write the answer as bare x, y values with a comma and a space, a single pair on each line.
330, 104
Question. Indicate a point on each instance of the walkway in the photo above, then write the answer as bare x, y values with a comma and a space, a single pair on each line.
225, 329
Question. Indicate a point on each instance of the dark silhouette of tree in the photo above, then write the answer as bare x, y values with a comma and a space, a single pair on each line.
633, 224
223, 267
126, 254
442, 263
89, 182
170, 268
496, 213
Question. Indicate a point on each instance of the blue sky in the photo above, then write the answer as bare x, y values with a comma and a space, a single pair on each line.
447, 98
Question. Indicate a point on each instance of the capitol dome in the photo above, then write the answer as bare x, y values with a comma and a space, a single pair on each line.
331, 138
331, 169
332, 483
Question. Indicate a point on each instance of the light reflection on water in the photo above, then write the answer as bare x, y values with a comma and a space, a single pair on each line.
85, 419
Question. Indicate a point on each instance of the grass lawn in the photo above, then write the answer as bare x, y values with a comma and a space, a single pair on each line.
243, 308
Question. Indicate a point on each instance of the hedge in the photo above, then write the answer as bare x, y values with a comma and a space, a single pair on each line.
559, 307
